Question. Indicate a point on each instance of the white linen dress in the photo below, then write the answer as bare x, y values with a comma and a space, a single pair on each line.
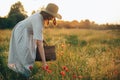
22, 49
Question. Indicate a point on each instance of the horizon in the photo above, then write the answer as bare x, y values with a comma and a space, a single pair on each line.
101, 12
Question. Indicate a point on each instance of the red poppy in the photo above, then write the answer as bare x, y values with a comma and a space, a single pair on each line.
74, 76
115, 72
30, 67
45, 67
49, 71
65, 68
62, 73
80, 77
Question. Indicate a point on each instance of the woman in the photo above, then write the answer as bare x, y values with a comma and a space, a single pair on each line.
26, 36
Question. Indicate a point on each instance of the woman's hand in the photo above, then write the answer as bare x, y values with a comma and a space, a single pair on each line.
41, 51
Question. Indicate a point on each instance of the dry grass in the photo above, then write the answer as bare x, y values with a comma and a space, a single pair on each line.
88, 54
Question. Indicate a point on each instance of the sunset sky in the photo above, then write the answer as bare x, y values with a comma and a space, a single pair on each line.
100, 11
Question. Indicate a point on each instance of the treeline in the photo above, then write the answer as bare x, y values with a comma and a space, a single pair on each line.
85, 24
18, 13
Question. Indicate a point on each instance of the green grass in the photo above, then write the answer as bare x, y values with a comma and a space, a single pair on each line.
88, 55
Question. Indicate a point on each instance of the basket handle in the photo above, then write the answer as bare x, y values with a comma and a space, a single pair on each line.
45, 43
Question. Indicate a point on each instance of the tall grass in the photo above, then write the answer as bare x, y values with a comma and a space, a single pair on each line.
81, 55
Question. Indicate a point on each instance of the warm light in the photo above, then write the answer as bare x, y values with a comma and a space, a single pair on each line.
100, 11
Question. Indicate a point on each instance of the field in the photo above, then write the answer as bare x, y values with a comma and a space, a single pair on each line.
82, 54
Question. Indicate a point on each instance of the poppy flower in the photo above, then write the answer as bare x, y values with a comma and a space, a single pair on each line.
116, 72
45, 67
65, 68
62, 73
80, 77
49, 71
30, 67
74, 76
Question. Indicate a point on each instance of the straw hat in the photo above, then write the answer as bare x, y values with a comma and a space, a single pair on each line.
53, 10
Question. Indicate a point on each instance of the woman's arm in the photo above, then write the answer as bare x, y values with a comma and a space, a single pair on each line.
41, 51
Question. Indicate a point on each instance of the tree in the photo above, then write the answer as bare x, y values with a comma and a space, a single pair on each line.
17, 13
17, 8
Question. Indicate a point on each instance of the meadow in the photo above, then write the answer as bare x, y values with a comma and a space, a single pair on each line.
82, 54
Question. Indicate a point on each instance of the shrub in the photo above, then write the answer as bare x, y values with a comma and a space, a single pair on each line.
72, 39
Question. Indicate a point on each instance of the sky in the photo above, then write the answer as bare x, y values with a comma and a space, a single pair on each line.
99, 11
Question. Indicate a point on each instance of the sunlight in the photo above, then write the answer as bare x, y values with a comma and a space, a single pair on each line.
102, 11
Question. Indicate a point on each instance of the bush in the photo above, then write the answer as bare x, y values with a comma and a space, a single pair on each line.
72, 39
83, 43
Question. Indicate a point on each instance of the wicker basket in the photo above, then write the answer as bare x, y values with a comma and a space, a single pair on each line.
50, 54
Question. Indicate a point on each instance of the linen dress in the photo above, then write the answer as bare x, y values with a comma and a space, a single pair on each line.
22, 49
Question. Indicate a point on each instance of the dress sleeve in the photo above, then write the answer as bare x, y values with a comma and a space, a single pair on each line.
37, 24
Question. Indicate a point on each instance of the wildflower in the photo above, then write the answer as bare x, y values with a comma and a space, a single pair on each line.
45, 67
62, 45
61, 54
49, 71
74, 76
62, 73
80, 77
30, 67
116, 72
65, 68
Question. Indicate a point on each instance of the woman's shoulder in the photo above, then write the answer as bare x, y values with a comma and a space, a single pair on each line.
36, 15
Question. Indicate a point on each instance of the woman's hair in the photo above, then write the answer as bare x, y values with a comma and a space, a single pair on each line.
48, 17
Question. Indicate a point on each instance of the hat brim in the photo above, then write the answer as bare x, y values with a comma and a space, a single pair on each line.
55, 15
